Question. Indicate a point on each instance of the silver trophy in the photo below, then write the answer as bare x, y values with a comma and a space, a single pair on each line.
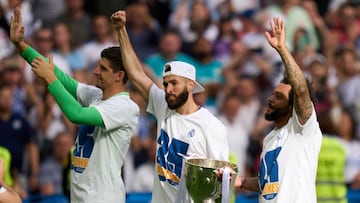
201, 181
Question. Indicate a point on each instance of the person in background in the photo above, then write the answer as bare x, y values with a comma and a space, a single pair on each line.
51, 169
169, 50
18, 137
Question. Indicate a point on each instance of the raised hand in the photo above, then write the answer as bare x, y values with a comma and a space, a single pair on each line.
118, 19
16, 27
44, 69
277, 36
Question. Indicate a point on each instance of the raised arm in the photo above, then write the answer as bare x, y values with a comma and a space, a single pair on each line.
29, 54
302, 101
132, 64
69, 106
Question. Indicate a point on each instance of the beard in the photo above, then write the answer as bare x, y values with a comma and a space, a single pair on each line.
179, 100
275, 113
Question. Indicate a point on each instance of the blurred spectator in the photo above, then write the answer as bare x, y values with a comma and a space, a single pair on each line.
140, 142
169, 50
348, 88
160, 5
25, 6
102, 39
235, 66
327, 43
64, 46
208, 69
78, 20
295, 17
18, 137
248, 93
346, 129
260, 129
42, 40
51, 169
47, 11
143, 177
227, 34
237, 136
317, 68
347, 31
12, 74
330, 176
193, 23
143, 30
50, 122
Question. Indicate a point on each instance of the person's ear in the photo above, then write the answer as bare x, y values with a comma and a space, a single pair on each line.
120, 76
191, 85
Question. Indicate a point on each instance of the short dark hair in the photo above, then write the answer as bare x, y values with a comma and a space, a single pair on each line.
286, 80
113, 54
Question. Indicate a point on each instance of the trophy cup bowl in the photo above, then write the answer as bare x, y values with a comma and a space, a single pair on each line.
201, 180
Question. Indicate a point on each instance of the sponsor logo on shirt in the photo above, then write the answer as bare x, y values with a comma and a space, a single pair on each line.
191, 133
269, 174
83, 148
170, 158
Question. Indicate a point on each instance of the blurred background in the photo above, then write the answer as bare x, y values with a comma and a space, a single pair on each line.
224, 40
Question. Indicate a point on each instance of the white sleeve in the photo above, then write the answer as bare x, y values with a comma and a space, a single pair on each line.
310, 125
157, 104
310, 131
86, 94
118, 111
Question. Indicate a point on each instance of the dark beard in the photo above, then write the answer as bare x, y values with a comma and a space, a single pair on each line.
271, 116
276, 114
179, 101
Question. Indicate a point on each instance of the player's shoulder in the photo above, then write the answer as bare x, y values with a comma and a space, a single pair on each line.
209, 117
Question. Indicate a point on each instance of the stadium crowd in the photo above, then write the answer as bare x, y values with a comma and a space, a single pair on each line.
223, 39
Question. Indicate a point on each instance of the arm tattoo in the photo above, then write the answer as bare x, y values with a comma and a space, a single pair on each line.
302, 101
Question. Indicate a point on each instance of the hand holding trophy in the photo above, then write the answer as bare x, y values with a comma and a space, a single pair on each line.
202, 182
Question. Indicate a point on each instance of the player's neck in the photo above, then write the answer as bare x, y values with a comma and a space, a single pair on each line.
188, 108
279, 123
112, 91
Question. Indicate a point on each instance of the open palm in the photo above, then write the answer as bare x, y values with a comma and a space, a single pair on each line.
277, 36
16, 27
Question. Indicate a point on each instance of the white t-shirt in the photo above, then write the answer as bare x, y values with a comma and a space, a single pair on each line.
289, 162
100, 151
199, 134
